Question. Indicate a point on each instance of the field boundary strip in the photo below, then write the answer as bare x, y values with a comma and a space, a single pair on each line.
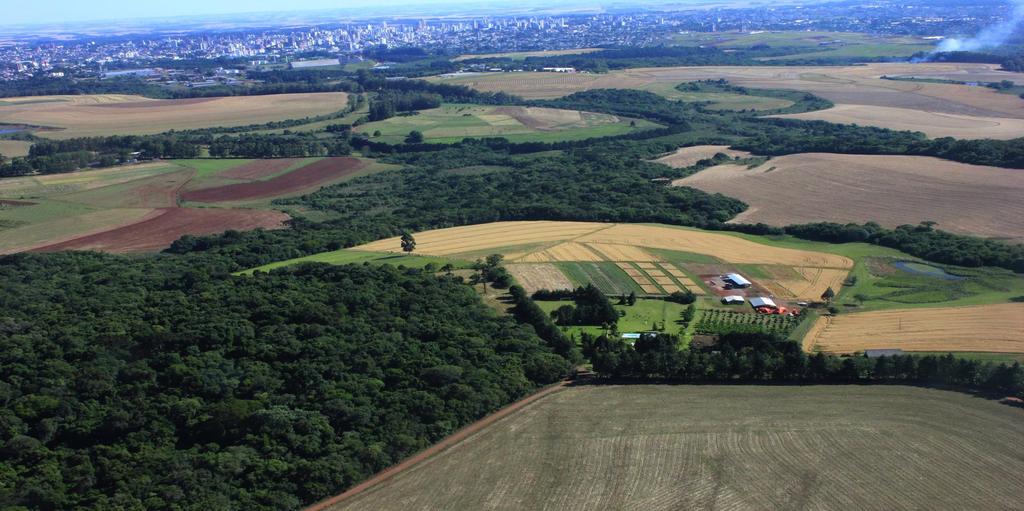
442, 446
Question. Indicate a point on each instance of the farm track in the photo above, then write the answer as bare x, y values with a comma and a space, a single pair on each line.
449, 442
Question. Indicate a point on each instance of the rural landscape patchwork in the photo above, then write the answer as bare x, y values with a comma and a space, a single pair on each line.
425, 255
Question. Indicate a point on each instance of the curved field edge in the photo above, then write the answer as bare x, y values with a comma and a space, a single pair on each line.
719, 447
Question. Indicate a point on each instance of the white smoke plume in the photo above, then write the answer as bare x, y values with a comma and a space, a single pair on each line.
990, 37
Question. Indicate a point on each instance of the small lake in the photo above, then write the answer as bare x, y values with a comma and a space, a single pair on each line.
7, 130
926, 270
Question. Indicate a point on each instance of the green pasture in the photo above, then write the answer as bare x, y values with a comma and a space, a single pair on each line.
349, 256
454, 122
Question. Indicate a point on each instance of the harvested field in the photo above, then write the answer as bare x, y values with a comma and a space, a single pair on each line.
65, 228
563, 252
808, 284
534, 277
14, 148
159, 230
454, 122
990, 113
116, 114
651, 447
259, 169
933, 124
689, 156
890, 190
159, 191
622, 252
35, 186
995, 328
306, 178
594, 242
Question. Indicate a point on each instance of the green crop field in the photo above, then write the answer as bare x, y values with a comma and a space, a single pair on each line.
359, 257
452, 123
727, 447
718, 100
608, 277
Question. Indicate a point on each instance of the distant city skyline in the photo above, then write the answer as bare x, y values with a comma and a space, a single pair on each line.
57, 12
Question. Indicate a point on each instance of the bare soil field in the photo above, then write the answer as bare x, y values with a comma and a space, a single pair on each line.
933, 124
890, 190
534, 277
117, 114
843, 85
689, 156
997, 328
305, 178
158, 231
260, 169
649, 447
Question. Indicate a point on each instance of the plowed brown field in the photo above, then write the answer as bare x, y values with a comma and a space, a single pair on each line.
159, 230
259, 169
981, 328
890, 190
305, 178
726, 448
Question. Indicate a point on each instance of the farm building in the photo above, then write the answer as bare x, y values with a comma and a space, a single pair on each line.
733, 300
763, 301
736, 280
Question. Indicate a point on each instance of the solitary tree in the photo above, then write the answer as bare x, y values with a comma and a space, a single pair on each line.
828, 295
415, 137
408, 243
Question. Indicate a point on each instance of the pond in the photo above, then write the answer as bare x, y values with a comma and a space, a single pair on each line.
926, 270
7, 130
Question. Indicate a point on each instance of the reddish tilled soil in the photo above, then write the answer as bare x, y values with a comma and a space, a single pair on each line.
310, 176
159, 231
260, 169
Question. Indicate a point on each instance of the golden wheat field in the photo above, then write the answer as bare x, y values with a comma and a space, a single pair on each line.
119, 114
571, 241
534, 277
890, 190
726, 448
997, 328
14, 148
806, 273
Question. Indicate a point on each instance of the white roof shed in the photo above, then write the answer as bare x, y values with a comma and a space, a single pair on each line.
762, 301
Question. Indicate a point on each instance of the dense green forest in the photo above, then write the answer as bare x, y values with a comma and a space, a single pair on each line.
166, 383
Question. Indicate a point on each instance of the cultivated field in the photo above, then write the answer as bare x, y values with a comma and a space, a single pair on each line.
117, 114
534, 277
977, 112
631, 247
139, 208
890, 190
997, 328
14, 148
933, 124
689, 156
301, 179
647, 447
520, 55
452, 123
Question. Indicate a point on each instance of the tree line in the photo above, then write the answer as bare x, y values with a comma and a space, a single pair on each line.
760, 358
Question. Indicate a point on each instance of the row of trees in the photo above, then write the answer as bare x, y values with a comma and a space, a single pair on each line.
761, 357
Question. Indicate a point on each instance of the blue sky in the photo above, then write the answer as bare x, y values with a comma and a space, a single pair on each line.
62, 11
